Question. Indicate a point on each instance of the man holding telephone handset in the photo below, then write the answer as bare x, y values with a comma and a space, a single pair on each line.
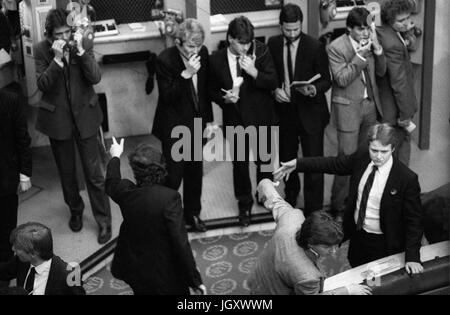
69, 114
356, 58
181, 73
242, 77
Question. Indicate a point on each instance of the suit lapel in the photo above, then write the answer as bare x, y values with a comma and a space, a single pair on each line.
279, 57
228, 80
391, 188
299, 58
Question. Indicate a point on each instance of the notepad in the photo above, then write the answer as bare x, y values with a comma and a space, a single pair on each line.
302, 83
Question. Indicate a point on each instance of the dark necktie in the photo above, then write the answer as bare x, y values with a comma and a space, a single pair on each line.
289, 61
365, 198
368, 83
194, 94
238, 67
29, 284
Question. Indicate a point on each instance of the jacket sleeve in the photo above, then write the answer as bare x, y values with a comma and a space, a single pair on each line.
22, 139
343, 72
89, 67
114, 184
47, 74
214, 88
413, 216
170, 82
267, 78
341, 165
8, 270
321, 65
205, 63
380, 65
398, 78
173, 214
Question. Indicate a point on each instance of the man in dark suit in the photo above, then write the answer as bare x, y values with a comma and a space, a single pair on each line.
35, 266
384, 213
303, 109
397, 92
356, 58
15, 166
242, 78
69, 114
181, 73
153, 254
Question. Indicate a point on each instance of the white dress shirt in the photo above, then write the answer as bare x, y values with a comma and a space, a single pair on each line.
372, 220
232, 63
41, 277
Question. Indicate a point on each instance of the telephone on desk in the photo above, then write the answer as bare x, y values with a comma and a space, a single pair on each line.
105, 28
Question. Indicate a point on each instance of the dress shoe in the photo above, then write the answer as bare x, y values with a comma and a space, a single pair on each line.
197, 224
244, 218
76, 222
104, 234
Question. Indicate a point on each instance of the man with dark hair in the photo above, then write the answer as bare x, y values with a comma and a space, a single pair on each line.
153, 254
303, 110
383, 215
69, 114
35, 266
397, 93
242, 79
15, 166
356, 58
288, 264
181, 72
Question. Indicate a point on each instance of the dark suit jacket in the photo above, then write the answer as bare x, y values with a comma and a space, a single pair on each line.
58, 277
311, 59
400, 208
66, 101
256, 105
397, 93
348, 84
177, 101
15, 142
153, 251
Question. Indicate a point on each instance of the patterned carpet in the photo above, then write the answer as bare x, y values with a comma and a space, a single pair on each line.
224, 262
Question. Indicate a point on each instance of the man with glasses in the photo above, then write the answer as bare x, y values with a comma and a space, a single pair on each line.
397, 93
288, 264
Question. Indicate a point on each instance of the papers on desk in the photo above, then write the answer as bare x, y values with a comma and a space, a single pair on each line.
136, 27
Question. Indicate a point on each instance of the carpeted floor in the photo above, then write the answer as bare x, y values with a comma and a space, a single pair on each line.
224, 263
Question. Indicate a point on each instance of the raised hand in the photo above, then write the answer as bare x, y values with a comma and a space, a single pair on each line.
193, 65
58, 48
285, 170
116, 149
247, 64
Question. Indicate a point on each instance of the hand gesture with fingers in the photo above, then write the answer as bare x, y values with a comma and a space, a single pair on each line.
116, 149
285, 170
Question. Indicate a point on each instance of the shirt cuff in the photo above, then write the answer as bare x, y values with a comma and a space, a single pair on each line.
361, 57
24, 178
59, 62
81, 52
186, 75
378, 52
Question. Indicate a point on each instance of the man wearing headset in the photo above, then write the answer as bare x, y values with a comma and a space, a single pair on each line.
69, 114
